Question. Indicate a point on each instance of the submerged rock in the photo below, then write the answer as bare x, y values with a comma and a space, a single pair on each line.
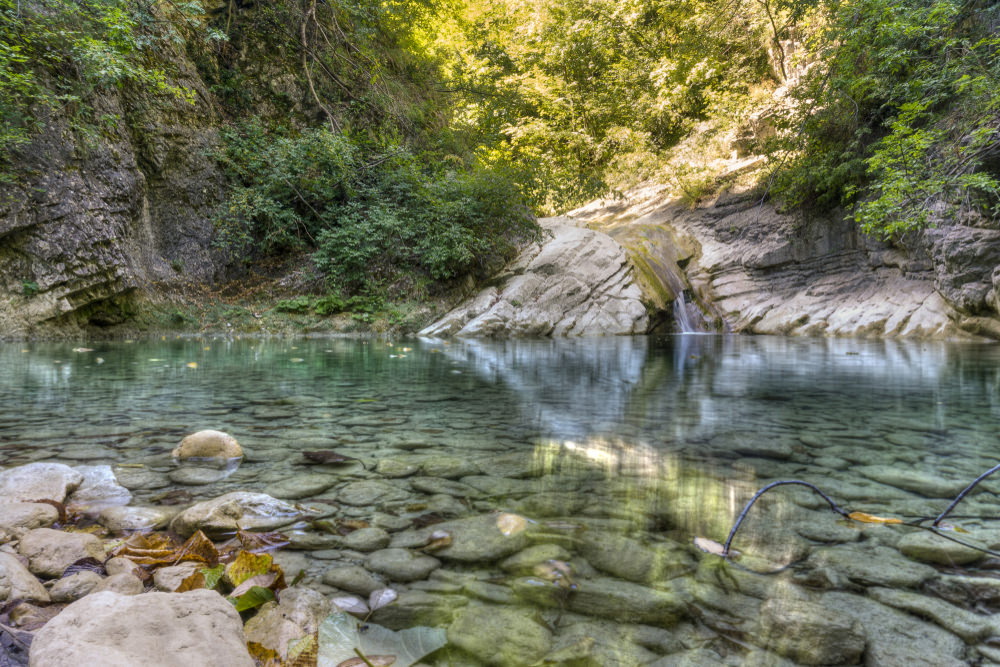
929, 548
251, 511
75, 586
100, 489
402, 565
809, 633
208, 444
129, 519
38, 481
195, 629
500, 635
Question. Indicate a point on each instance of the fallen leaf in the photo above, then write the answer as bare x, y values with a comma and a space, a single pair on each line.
192, 364
261, 542
944, 525
439, 540
192, 582
85, 564
428, 519
381, 598
252, 599
511, 524
247, 565
303, 652
871, 518
213, 575
261, 580
342, 636
263, 656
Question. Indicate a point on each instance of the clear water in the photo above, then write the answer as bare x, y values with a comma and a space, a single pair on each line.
650, 440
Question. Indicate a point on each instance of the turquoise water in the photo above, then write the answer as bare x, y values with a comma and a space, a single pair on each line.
651, 440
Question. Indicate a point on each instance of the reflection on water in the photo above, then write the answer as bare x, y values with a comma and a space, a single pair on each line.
640, 444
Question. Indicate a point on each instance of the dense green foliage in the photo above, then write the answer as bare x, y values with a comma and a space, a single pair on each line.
901, 115
375, 215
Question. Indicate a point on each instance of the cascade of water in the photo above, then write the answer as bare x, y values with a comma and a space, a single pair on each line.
682, 316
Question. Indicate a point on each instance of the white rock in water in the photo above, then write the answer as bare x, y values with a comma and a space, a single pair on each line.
194, 629
38, 481
100, 489
251, 511
208, 444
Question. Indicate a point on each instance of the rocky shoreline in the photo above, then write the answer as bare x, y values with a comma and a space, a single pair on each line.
542, 576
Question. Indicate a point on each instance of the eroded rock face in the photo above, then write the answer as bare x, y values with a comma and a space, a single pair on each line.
195, 629
39, 481
576, 283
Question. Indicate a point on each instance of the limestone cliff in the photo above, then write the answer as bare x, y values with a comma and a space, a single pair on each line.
97, 217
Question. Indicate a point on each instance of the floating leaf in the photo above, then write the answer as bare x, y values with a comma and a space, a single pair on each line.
944, 525
710, 546
381, 598
262, 580
871, 518
511, 524
351, 604
247, 565
253, 598
192, 364
342, 636
261, 542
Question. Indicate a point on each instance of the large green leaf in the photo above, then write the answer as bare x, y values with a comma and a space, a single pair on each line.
340, 635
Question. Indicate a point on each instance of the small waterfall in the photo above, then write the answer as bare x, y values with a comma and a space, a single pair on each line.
683, 320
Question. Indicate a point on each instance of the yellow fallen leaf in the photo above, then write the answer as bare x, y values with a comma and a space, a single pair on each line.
192, 364
511, 524
871, 518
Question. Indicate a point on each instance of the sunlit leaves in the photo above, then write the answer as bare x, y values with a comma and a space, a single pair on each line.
863, 517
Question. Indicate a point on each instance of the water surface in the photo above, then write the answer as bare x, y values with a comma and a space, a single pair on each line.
643, 442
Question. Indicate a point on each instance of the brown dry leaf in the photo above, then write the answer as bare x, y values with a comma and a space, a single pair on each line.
262, 580
198, 548
192, 582
871, 518
263, 656
511, 524
88, 564
428, 519
373, 660
944, 525
348, 526
248, 565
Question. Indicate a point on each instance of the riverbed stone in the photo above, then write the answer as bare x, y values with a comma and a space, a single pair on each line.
440, 485
484, 538
604, 597
967, 625
123, 583
929, 548
18, 517
168, 579
120, 564
100, 489
50, 552
968, 591
894, 637
301, 486
208, 444
448, 467
16, 582
75, 586
630, 559
596, 644
38, 481
394, 468
370, 493
809, 633
925, 483
352, 579
500, 636
415, 607
525, 561
137, 478
195, 629
129, 519
367, 539
402, 565
251, 511
868, 565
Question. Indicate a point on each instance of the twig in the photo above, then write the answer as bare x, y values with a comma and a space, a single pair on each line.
964, 493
